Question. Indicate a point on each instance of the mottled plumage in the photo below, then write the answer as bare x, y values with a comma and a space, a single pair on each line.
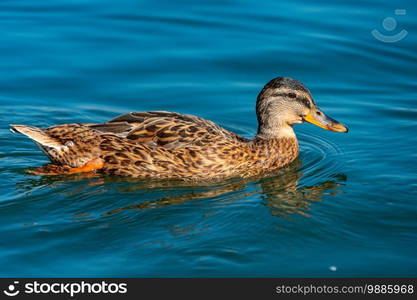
167, 145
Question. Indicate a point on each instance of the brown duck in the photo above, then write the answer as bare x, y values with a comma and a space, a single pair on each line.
168, 145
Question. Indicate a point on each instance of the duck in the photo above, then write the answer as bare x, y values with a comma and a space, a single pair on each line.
169, 145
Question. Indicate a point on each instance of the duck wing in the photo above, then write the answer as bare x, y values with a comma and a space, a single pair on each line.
167, 129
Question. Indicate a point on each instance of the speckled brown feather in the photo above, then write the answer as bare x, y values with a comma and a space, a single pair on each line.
167, 129
165, 145
218, 159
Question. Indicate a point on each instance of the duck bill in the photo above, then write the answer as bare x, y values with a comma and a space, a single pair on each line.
321, 120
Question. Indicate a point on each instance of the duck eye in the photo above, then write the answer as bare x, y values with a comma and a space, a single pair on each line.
292, 95
319, 113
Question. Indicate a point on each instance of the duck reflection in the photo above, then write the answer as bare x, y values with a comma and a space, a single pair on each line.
284, 194
282, 191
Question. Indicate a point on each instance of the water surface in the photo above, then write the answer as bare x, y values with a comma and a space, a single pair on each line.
346, 207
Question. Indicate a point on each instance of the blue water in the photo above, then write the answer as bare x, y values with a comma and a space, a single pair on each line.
346, 207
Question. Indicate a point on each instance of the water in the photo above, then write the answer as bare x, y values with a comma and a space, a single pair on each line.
346, 207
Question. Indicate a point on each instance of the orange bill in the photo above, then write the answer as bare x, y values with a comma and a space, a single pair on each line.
321, 120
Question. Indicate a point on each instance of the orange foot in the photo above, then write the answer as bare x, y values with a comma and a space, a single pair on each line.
92, 165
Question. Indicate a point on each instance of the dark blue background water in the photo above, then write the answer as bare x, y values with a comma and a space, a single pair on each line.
347, 207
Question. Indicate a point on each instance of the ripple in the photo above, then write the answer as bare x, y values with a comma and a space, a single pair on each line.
321, 157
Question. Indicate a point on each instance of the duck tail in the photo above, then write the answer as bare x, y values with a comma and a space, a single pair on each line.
36, 134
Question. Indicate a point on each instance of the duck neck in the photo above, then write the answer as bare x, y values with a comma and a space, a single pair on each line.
277, 131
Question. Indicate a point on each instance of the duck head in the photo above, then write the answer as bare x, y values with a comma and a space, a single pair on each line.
284, 102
